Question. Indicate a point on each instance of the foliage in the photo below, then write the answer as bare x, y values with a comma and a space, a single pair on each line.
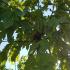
47, 43
21, 64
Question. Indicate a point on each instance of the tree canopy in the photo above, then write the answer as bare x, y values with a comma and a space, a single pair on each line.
46, 37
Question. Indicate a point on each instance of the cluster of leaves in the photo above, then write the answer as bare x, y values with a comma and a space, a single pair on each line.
46, 42
21, 64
